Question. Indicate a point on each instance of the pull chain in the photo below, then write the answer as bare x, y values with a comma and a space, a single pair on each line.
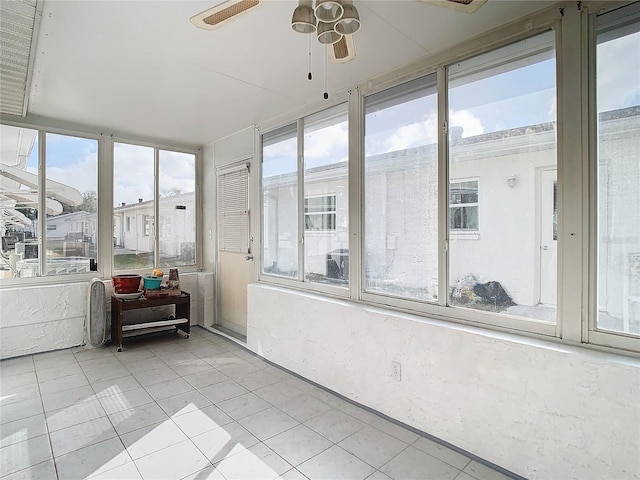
309, 76
326, 72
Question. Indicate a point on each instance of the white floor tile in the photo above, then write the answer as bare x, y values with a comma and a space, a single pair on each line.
184, 403
41, 471
414, 463
144, 365
92, 460
16, 366
205, 378
128, 471
169, 388
125, 400
441, 452
176, 461
278, 392
19, 456
153, 438
190, 367
58, 400
378, 475
74, 414
257, 379
202, 420
82, 435
19, 410
64, 383
298, 444
207, 473
224, 442
335, 462
335, 425
268, 423
373, 446
223, 391
114, 386
19, 394
257, 463
293, 474
56, 372
395, 430
13, 383
138, 417
304, 407
482, 472
359, 413
23, 429
243, 406
149, 377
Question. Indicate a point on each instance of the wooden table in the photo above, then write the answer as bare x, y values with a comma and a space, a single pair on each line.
181, 320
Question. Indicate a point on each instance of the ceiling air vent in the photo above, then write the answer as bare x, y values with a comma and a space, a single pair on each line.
214, 17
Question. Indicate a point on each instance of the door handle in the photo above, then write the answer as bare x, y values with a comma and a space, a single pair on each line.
248, 257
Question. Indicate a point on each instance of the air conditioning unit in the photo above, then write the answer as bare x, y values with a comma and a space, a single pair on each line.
338, 264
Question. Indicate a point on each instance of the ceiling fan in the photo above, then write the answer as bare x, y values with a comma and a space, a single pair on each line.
333, 21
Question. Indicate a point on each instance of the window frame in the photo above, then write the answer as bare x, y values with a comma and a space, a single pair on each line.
300, 282
592, 335
326, 212
197, 266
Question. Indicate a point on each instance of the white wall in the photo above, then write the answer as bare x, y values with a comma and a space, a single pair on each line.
539, 409
44, 318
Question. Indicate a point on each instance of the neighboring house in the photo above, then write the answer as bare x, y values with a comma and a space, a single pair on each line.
492, 197
134, 225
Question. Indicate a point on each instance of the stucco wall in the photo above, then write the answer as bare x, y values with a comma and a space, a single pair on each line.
537, 408
50, 317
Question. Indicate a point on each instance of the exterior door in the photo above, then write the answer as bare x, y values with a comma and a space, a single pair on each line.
548, 236
235, 261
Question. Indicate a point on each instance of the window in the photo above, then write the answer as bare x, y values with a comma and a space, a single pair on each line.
320, 213
140, 241
280, 202
326, 197
503, 132
177, 202
319, 191
58, 242
618, 172
463, 205
401, 192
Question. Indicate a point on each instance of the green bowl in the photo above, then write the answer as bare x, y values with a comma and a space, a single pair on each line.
151, 282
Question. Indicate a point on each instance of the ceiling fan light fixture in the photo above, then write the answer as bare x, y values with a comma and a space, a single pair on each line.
303, 20
349, 23
328, 11
327, 34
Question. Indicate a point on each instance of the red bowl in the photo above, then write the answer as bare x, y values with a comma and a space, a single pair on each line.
126, 283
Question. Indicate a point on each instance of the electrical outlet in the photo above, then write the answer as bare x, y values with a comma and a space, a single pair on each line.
396, 371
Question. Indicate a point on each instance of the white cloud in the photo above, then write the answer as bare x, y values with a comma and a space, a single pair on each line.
471, 125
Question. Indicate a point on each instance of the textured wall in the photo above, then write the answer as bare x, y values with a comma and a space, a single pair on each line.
50, 317
537, 408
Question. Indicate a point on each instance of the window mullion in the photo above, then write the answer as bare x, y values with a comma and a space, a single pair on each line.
356, 194
443, 187
42, 202
156, 207
301, 189
571, 239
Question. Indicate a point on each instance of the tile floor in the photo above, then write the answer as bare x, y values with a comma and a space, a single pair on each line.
197, 408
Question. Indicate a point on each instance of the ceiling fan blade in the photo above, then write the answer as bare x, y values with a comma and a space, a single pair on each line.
342, 51
214, 17
466, 6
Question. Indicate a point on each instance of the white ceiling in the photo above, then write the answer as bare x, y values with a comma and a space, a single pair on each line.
140, 68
